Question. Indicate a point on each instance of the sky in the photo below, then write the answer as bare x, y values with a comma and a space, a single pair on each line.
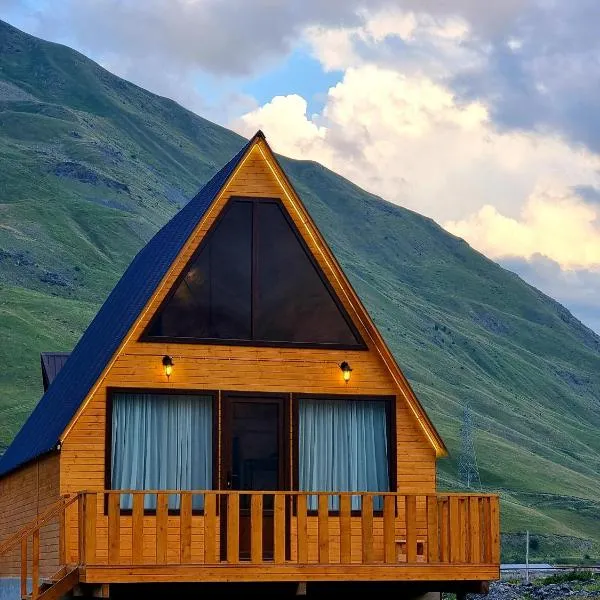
484, 116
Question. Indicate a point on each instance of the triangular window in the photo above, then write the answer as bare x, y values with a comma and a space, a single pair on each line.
254, 280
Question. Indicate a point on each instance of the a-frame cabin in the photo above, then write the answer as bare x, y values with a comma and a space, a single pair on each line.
232, 414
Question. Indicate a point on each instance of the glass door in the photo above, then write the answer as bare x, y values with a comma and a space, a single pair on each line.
253, 437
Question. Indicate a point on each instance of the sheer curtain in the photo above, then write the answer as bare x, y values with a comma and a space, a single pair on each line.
343, 447
159, 442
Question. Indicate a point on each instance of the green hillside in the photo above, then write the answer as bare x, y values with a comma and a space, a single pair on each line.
91, 166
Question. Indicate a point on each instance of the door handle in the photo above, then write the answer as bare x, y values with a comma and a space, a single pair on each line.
228, 480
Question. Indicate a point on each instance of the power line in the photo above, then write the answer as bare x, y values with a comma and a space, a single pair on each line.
468, 471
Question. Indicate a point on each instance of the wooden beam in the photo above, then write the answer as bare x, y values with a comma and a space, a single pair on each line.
256, 528
279, 529
389, 529
233, 528
210, 528
323, 516
411, 528
367, 528
114, 529
137, 529
185, 528
433, 554
288, 572
345, 529
302, 529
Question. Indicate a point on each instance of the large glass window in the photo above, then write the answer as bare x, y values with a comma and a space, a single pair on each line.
254, 280
161, 442
343, 447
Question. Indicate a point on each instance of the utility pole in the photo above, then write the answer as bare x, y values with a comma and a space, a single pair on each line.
468, 472
527, 557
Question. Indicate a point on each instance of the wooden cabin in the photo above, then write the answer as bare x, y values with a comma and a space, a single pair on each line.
232, 414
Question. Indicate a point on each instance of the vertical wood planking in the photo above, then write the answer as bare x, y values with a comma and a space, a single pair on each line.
474, 530
256, 528
411, 528
279, 528
302, 530
367, 528
463, 505
495, 529
90, 514
114, 528
137, 529
35, 564
233, 528
345, 529
455, 529
24, 567
389, 529
210, 528
487, 537
185, 528
444, 516
162, 513
432, 530
62, 530
324, 529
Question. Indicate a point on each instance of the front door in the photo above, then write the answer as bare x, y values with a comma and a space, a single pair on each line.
253, 438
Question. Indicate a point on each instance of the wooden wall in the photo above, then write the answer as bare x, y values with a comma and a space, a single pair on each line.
24, 494
236, 368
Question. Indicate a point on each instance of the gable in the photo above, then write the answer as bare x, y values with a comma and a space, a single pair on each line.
127, 312
253, 280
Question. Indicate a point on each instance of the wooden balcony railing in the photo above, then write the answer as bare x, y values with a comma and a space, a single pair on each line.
120, 528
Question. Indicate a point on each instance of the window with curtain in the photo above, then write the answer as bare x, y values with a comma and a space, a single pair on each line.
343, 447
160, 442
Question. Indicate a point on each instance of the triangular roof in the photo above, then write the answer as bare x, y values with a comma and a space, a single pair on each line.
57, 408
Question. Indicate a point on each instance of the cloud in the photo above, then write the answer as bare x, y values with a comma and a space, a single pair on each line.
559, 227
411, 141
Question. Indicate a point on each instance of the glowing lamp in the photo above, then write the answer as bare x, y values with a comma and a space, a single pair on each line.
346, 371
167, 362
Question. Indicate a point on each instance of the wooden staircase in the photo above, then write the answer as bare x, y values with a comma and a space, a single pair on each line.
66, 578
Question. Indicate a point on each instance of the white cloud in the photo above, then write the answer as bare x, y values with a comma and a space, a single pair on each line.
558, 226
399, 131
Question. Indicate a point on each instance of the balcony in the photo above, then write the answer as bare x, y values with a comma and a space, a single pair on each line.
286, 536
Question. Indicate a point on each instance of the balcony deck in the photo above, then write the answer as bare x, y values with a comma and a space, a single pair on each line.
286, 536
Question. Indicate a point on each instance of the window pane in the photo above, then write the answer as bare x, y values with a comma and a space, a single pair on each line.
292, 303
159, 442
214, 298
343, 447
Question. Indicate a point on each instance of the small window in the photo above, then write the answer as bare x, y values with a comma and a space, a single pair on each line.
161, 442
343, 447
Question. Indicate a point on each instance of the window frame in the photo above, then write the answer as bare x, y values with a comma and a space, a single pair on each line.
112, 391
146, 337
392, 446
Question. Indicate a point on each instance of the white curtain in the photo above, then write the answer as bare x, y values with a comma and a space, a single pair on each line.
160, 442
343, 448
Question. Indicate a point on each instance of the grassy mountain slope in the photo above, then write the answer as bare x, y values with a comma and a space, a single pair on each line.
91, 166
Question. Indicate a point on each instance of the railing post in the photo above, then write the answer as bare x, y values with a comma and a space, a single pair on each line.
62, 555
35, 564
432, 529
24, 567
87, 527
411, 528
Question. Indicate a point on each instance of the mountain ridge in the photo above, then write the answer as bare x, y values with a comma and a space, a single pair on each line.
92, 165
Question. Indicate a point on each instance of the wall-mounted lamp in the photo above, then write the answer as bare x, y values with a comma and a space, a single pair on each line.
167, 362
346, 370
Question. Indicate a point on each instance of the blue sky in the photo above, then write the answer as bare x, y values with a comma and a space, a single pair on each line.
483, 116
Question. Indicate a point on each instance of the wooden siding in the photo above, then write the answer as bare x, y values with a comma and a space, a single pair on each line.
240, 368
24, 495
